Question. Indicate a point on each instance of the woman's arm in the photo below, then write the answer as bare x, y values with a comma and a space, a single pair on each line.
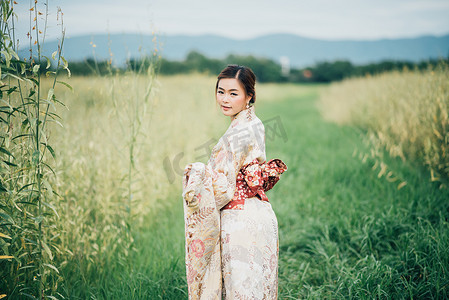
236, 148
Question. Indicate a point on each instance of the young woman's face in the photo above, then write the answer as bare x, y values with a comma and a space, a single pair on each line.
231, 96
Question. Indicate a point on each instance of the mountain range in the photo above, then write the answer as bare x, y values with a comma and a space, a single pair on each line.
300, 51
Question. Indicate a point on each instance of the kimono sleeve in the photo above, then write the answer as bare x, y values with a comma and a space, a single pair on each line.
234, 148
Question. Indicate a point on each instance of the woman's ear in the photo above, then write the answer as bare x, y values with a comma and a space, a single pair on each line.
249, 97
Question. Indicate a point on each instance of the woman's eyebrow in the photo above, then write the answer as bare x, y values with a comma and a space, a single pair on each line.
231, 90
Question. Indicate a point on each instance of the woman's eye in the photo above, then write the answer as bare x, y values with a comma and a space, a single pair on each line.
233, 94
220, 92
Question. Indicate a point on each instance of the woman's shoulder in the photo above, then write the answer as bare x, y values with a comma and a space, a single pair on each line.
244, 128
255, 125
258, 123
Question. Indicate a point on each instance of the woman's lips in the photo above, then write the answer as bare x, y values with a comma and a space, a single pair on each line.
225, 107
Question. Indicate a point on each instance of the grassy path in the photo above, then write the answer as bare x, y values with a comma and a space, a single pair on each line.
344, 233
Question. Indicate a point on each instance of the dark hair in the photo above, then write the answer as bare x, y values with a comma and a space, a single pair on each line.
244, 74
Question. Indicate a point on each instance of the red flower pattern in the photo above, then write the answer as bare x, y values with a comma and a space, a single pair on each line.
197, 247
254, 179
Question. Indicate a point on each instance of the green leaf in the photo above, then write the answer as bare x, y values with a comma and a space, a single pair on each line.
56, 248
51, 207
66, 84
69, 74
52, 152
48, 63
32, 92
13, 53
57, 101
57, 122
22, 69
24, 187
4, 236
27, 203
21, 135
6, 151
53, 55
36, 68
27, 295
47, 249
16, 77
2, 188
27, 267
47, 74
38, 219
7, 57
51, 92
35, 157
54, 116
6, 217
47, 186
65, 63
9, 163
48, 166
18, 62
12, 90
33, 242
66, 66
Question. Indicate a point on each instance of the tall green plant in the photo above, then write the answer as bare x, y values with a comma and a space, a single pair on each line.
131, 100
27, 244
103, 188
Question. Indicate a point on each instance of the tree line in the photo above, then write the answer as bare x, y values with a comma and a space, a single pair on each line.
266, 70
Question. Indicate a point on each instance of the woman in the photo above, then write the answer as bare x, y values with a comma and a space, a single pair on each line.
231, 229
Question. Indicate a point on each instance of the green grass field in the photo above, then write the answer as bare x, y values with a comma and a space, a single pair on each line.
344, 232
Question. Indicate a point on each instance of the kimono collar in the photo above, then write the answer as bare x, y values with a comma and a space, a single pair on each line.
246, 115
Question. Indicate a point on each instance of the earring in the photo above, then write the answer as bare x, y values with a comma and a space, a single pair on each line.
248, 112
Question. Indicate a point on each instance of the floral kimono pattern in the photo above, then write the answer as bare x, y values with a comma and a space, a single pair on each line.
230, 229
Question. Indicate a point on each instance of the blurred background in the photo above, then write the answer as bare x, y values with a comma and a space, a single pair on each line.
285, 38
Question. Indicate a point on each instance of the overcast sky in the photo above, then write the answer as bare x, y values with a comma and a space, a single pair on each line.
322, 19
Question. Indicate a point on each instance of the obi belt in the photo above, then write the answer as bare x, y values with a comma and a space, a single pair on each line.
254, 179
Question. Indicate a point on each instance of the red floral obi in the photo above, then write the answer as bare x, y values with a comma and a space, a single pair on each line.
254, 179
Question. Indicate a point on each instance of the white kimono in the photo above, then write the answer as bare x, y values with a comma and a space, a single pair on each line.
230, 253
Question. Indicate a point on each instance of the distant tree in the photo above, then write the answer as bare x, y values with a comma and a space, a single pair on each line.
168, 67
327, 71
90, 67
266, 70
198, 62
